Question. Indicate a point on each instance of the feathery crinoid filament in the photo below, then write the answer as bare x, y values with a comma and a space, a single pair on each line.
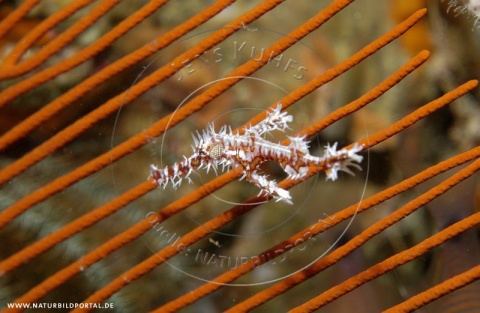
250, 150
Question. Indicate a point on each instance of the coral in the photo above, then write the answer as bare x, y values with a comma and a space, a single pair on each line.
72, 233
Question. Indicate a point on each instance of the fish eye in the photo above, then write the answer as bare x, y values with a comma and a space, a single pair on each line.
216, 151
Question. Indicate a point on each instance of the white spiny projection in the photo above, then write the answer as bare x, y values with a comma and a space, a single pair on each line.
249, 150
471, 7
